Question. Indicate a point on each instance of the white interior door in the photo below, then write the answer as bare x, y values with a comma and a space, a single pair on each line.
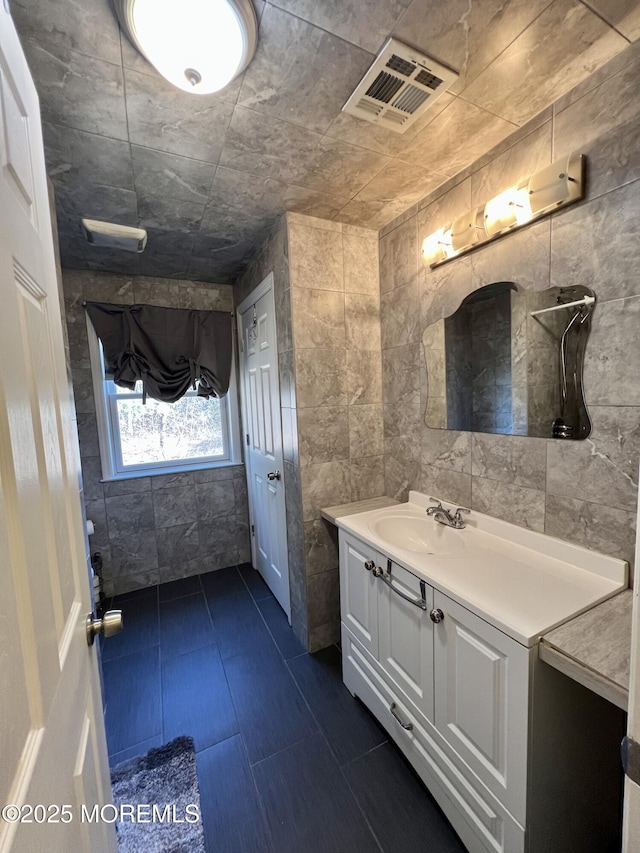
631, 837
263, 439
52, 742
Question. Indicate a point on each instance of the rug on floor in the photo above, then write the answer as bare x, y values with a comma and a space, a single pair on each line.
165, 781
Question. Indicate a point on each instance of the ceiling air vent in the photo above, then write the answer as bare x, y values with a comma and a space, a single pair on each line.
399, 87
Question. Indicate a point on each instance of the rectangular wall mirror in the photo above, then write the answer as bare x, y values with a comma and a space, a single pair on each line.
510, 361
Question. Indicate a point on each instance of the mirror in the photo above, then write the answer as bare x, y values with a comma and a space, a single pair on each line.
510, 361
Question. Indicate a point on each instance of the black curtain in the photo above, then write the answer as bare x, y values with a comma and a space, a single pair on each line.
169, 349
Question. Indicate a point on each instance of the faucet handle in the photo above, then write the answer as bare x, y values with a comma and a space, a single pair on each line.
462, 509
437, 502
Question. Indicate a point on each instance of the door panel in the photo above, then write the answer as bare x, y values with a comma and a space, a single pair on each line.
50, 702
358, 591
261, 397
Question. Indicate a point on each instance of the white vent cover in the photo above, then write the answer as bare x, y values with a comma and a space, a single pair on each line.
112, 236
399, 87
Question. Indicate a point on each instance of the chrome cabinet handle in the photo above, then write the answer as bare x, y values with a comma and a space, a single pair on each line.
436, 615
369, 564
394, 713
418, 602
273, 475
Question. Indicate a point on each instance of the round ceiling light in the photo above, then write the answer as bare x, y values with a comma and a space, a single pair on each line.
198, 45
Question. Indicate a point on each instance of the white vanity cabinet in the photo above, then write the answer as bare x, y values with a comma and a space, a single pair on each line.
457, 696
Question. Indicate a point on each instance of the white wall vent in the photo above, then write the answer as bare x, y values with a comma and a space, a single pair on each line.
399, 87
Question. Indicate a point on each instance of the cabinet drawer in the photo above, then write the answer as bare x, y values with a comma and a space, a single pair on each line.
482, 823
481, 700
358, 592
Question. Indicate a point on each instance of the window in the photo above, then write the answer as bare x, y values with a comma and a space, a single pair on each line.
139, 438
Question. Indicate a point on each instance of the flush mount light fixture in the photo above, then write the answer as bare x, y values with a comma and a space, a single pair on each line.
553, 187
198, 45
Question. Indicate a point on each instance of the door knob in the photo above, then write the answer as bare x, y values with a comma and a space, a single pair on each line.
110, 624
273, 475
436, 615
369, 564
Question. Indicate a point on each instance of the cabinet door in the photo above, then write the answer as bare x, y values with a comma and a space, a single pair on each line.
358, 593
406, 635
481, 700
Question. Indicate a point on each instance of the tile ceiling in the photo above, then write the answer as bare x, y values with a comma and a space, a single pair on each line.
208, 175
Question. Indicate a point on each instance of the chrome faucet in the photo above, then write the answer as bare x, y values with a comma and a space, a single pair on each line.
439, 513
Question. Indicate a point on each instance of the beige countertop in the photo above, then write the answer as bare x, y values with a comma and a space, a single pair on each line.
332, 513
595, 647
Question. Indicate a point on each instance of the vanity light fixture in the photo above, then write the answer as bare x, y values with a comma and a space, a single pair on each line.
553, 187
198, 45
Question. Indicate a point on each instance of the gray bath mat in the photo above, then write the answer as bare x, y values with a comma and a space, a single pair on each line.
164, 778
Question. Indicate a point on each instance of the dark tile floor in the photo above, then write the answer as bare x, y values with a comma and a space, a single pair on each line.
287, 760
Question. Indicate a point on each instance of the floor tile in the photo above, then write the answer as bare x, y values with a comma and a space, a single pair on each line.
308, 804
278, 625
222, 582
253, 579
196, 699
185, 625
238, 625
132, 690
183, 586
139, 627
346, 723
399, 809
137, 749
270, 710
231, 812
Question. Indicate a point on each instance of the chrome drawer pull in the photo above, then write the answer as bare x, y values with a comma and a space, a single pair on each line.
419, 602
407, 726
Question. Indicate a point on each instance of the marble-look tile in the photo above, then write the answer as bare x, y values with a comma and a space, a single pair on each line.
157, 291
215, 500
360, 257
131, 486
366, 26
452, 486
400, 316
526, 157
367, 477
157, 173
67, 82
530, 246
400, 376
323, 636
443, 289
94, 201
178, 570
323, 434
467, 35
134, 554
212, 475
290, 449
373, 214
75, 158
127, 514
284, 325
83, 390
171, 226
318, 317
175, 506
525, 507
595, 243
320, 546
366, 434
163, 117
286, 371
323, 598
439, 142
321, 377
401, 466
88, 27
312, 95
440, 208
624, 15
447, 449
168, 481
95, 511
516, 90
400, 183
612, 360
324, 484
240, 498
510, 459
362, 320
399, 257
88, 435
175, 544
363, 378
131, 581
315, 258
604, 467
91, 477
206, 298
218, 542
112, 260
594, 525
117, 289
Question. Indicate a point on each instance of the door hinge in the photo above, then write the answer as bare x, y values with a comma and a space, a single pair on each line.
630, 753
241, 345
253, 530
247, 438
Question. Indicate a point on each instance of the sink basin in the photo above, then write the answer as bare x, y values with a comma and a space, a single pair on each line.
421, 535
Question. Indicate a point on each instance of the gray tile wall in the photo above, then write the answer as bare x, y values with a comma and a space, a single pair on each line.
157, 528
585, 492
335, 306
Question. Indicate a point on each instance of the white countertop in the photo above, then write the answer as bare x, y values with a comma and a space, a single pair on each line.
521, 581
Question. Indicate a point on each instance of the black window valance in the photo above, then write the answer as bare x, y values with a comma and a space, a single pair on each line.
168, 349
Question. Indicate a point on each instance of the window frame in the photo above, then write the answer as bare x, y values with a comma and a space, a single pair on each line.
113, 467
